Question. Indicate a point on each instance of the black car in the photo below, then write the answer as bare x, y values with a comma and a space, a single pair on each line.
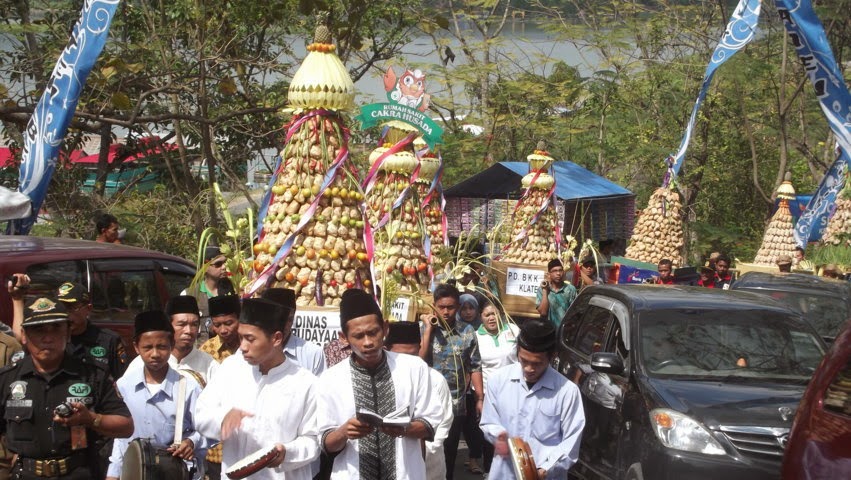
684, 382
824, 302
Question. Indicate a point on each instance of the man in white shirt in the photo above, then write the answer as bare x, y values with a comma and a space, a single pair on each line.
404, 337
384, 383
307, 354
183, 312
263, 402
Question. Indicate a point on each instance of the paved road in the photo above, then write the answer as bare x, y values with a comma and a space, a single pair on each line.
461, 472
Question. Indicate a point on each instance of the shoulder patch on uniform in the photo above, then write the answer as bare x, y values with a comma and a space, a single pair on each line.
17, 357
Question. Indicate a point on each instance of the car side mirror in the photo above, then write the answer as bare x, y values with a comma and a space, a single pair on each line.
606, 362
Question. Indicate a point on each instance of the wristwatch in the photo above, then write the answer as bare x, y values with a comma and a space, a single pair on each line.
97, 420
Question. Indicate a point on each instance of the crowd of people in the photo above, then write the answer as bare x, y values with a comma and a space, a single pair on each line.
392, 403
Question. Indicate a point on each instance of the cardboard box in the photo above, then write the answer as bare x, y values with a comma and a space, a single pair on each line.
518, 287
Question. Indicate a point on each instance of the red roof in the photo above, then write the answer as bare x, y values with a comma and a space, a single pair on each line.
147, 145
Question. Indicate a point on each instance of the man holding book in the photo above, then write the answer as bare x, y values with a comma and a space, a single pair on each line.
375, 408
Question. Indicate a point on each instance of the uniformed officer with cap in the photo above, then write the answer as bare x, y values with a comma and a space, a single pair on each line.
99, 344
54, 405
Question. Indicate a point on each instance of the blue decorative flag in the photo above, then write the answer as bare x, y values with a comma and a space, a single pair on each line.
46, 129
807, 35
740, 31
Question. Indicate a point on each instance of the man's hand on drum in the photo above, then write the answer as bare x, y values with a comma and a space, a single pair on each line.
281, 452
500, 446
232, 421
354, 429
542, 474
186, 449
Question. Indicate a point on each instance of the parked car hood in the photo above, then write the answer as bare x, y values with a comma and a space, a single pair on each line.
753, 402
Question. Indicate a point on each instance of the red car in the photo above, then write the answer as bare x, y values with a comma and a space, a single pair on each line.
820, 441
122, 280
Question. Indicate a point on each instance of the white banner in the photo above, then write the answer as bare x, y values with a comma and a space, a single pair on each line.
401, 307
319, 326
523, 282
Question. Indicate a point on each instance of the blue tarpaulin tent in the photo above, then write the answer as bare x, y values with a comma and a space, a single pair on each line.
590, 207
503, 179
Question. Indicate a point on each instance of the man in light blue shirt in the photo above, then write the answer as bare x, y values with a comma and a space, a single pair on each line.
152, 396
531, 400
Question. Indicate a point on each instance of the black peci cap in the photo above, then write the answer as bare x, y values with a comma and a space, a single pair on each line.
152, 321
223, 305
537, 336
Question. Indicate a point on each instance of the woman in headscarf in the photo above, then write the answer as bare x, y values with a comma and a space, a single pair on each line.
469, 310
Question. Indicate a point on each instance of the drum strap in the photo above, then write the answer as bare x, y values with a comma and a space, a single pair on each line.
181, 406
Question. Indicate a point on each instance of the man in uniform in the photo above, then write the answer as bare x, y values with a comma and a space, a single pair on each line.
555, 295
10, 352
531, 400
50, 441
383, 383
99, 344
224, 313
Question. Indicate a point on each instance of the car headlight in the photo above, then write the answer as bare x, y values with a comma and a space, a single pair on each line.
681, 432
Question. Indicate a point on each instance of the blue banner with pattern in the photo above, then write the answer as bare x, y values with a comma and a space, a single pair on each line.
741, 29
810, 41
46, 129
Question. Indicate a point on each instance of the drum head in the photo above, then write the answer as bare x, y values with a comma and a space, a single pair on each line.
134, 461
252, 463
142, 461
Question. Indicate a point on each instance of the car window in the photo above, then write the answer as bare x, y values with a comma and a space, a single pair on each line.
177, 277
570, 324
837, 399
717, 343
118, 295
45, 278
591, 334
827, 314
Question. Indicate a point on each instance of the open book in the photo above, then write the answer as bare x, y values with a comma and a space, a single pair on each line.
397, 418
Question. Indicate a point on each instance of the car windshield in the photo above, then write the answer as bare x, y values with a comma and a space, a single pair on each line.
826, 314
726, 344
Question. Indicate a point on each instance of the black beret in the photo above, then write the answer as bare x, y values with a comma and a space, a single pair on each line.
357, 303
284, 297
152, 321
262, 313
43, 311
224, 305
182, 304
403, 333
537, 336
